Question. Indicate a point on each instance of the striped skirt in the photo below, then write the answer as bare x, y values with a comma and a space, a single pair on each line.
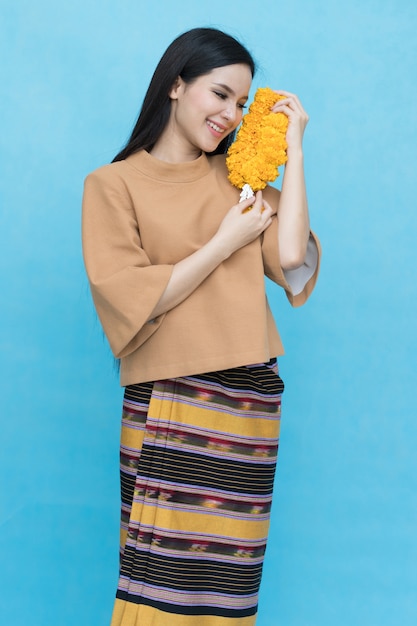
198, 457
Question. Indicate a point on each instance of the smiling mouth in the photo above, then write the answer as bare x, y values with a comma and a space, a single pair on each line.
214, 126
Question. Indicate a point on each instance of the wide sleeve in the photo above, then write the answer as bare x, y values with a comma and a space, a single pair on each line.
124, 285
299, 282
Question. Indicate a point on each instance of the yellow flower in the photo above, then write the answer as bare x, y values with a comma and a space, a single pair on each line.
260, 146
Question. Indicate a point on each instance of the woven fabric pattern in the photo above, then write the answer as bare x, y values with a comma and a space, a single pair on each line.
198, 458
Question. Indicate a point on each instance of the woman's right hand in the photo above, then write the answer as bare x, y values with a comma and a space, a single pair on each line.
239, 227
243, 224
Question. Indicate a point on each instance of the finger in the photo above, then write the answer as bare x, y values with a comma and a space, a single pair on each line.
283, 92
257, 206
268, 208
282, 107
267, 214
245, 204
288, 94
266, 224
292, 113
292, 99
292, 105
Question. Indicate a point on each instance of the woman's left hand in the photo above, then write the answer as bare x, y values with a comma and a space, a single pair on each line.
297, 118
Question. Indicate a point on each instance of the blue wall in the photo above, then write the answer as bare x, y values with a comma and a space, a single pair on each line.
343, 545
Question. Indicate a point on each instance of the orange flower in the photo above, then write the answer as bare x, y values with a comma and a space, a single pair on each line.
260, 146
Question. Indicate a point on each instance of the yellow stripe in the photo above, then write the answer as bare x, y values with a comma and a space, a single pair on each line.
213, 420
129, 614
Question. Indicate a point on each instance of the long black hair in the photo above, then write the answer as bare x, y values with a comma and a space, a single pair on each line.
192, 54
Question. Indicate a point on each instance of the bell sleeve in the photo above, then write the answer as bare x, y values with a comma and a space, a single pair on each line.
125, 286
299, 282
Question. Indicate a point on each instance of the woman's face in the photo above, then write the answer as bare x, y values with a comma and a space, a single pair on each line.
205, 111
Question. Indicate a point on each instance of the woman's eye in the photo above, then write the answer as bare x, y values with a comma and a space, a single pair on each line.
224, 96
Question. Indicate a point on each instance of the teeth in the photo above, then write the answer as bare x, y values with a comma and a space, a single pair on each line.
215, 127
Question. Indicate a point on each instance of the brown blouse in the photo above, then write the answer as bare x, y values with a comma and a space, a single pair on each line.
140, 217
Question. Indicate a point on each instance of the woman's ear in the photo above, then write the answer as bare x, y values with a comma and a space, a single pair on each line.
176, 88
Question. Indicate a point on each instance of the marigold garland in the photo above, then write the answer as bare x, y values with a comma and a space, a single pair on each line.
260, 146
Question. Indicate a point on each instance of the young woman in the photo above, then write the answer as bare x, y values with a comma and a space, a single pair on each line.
176, 266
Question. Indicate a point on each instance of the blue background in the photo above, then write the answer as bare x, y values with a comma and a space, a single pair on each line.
343, 544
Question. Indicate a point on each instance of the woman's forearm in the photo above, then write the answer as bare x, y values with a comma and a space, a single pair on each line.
294, 224
238, 228
188, 274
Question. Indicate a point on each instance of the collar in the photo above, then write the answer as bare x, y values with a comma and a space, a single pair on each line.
185, 172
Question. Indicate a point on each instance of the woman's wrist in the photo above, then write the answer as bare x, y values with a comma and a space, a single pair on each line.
221, 247
295, 152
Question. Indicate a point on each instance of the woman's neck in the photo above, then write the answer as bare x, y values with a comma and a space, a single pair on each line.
170, 149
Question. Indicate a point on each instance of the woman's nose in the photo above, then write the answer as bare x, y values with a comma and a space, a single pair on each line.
229, 114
